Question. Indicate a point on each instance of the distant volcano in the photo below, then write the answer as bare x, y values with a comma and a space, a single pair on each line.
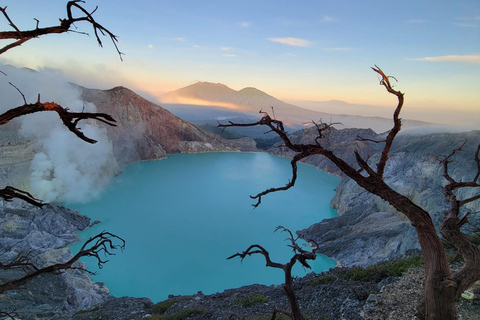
250, 101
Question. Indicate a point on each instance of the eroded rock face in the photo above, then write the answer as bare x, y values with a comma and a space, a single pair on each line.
16, 154
368, 229
145, 131
44, 234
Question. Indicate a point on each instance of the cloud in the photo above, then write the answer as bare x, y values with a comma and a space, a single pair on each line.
415, 21
474, 58
226, 48
180, 39
229, 55
328, 19
244, 24
338, 49
467, 22
150, 46
465, 25
296, 42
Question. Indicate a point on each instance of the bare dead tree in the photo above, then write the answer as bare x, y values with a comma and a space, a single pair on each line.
101, 244
441, 287
21, 36
300, 255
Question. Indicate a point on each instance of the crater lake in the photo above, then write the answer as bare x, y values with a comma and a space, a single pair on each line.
183, 216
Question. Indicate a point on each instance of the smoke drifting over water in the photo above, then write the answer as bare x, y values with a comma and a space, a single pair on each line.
64, 168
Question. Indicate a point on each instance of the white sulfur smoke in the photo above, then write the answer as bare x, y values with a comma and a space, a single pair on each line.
64, 168
71, 170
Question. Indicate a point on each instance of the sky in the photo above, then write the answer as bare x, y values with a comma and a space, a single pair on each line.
313, 50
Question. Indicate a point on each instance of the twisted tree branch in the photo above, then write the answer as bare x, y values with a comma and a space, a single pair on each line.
451, 226
22, 36
8, 193
102, 243
300, 255
69, 119
397, 122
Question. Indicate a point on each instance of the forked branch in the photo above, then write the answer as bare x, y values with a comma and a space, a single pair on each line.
22, 36
290, 183
451, 226
101, 244
397, 122
69, 119
22, 261
299, 255
8, 193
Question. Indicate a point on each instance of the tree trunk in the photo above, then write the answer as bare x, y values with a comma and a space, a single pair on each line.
470, 271
439, 292
292, 298
438, 301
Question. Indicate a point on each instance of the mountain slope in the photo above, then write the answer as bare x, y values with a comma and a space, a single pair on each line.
251, 100
146, 131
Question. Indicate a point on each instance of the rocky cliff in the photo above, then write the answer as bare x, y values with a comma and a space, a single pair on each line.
44, 234
146, 131
17, 153
368, 229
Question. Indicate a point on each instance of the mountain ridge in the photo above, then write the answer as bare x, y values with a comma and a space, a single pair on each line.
250, 100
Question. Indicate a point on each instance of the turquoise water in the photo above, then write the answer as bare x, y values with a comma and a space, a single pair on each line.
183, 216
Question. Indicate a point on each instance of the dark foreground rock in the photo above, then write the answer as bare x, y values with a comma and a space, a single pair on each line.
337, 300
320, 296
123, 308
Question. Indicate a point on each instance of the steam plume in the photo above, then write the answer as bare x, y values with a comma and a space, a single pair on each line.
64, 167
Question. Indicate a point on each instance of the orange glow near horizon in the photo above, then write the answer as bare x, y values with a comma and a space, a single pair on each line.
200, 102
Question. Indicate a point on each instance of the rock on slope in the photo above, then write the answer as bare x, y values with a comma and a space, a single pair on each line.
368, 229
16, 155
44, 234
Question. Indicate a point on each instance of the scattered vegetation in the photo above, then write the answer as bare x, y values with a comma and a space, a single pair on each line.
323, 279
374, 273
475, 238
163, 306
251, 300
180, 315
